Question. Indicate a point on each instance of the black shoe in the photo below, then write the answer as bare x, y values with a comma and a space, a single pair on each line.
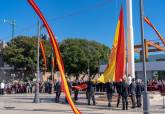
133, 107
109, 105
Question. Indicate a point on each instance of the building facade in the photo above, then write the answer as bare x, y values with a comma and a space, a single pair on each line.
155, 64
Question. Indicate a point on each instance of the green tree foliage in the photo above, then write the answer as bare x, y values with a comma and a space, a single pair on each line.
21, 52
77, 53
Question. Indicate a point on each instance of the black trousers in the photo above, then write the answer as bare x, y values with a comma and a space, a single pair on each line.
133, 100
57, 97
2, 91
125, 102
109, 97
138, 100
75, 95
91, 95
118, 99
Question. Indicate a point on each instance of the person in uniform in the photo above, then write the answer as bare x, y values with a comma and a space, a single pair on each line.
138, 91
58, 91
109, 90
2, 87
124, 94
75, 90
118, 88
90, 92
132, 88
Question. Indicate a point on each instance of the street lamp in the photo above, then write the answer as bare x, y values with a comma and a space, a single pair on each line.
4, 74
52, 72
88, 70
22, 76
13, 76
145, 95
12, 23
36, 98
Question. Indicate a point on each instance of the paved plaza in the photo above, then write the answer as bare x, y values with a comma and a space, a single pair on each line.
22, 104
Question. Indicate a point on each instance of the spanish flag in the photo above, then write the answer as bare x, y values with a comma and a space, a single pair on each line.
115, 69
57, 54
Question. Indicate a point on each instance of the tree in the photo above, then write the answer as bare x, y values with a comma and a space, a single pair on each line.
77, 53
21, 52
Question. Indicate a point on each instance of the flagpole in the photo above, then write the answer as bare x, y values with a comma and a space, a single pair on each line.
130, 40
52, 72
36, 98
145, 95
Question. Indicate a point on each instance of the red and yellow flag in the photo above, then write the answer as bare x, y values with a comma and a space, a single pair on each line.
57, 54
116, 67
121, 50
151, 25
42, 47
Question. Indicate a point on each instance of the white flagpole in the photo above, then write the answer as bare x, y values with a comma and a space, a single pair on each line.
130, 40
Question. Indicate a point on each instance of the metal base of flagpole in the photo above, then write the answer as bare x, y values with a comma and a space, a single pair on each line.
36, 97
36, 100
146, 103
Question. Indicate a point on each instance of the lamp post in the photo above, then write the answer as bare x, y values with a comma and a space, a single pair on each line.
4, 74
12, 23
13, 76
36, 98
52, 72
22, 76
88, 70
145, 95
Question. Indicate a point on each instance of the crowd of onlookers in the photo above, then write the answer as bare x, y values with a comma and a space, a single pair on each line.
25, 87
155, 85
122, 89
29, 87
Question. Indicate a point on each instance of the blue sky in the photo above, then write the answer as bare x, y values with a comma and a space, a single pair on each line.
90, 19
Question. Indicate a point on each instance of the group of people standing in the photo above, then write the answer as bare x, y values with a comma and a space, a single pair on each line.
123, 90
132, 90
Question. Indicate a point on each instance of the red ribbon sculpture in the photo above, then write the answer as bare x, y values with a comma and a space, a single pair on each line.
57, 54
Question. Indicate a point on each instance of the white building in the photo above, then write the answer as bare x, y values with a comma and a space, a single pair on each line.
156, 63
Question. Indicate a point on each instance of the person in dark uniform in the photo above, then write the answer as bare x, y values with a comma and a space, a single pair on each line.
119, 91
138, 91
91, 92
75, 90
58, 91
132, 88
124, 94
109, 90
